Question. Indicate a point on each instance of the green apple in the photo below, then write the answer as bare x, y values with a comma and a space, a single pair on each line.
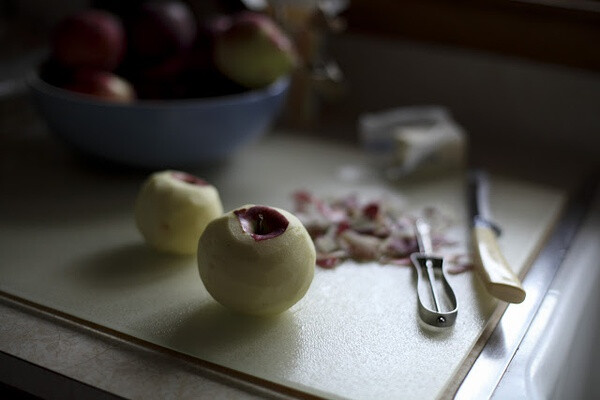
256, 260
254, 52
173, 208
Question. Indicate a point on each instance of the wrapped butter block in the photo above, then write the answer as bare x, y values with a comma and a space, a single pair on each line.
414, 142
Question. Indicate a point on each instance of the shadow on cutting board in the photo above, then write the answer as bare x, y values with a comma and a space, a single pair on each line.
129, 265
212, 332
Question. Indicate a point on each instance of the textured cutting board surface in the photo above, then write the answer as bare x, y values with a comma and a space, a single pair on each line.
70, 244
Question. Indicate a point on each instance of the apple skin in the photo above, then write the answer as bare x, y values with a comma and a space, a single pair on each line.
101, 85
160, 30
208, 30
254, 51
90, 39
164, 80
172, 210
256, 276
201, 77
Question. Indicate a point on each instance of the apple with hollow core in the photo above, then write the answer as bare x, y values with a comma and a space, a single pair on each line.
173, 208
256, 260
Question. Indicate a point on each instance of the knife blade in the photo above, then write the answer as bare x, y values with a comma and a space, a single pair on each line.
495, 272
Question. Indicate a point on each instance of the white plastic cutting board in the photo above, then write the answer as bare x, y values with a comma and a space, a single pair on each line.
69, 243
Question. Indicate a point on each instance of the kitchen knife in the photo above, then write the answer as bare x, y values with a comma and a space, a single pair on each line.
497, 276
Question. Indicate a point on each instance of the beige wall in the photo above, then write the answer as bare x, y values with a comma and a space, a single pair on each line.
494, 97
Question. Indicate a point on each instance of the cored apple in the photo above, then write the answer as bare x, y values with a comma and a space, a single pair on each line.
101, 84
172, 210
254, 51
256, 260
89, 39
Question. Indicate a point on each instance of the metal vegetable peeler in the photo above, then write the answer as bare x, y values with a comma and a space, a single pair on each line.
437, 301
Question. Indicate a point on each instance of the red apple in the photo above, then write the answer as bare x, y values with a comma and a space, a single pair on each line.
101, 84
254, 51
208, 31
89, 39
201, 77
215, 25
164, 80
161, 30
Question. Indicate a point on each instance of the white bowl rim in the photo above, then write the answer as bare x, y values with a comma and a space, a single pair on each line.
35, 82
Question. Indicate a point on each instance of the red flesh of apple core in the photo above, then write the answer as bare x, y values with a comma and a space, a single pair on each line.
262, 222
189, 178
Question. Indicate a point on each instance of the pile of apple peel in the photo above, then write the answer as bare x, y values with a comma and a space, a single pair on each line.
374, 230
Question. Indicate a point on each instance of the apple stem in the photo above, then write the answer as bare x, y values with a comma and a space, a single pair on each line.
261, 220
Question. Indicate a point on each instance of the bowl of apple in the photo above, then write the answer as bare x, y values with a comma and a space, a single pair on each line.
157, 85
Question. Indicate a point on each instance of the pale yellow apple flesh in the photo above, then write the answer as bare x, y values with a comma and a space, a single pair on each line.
252, 273
173, 209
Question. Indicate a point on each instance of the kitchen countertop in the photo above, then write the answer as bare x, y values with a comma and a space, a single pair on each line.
65, 358
52, 357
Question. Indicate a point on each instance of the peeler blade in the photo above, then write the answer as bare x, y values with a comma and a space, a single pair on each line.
436, 299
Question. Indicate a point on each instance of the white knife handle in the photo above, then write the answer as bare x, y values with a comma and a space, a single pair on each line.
498, 278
